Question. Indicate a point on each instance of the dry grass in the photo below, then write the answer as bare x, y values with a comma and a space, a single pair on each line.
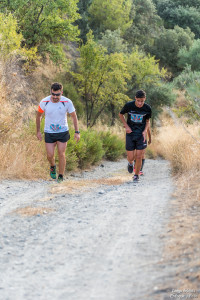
117, 130
83, 185
24, 158
21, 154
32, 211
183, 238
182, 149
181, 99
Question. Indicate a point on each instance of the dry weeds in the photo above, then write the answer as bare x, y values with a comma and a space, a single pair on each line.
83, 185
32, 211
182, 239
180, 147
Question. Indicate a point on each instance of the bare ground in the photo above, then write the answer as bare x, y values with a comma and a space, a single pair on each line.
98, 236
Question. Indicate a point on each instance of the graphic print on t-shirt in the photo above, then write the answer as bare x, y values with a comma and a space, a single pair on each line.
56, 127
136, 118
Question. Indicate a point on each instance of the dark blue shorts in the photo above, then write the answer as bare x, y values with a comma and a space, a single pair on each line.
135, 142
62, 137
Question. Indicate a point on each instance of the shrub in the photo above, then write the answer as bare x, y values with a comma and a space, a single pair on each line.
88, 150
112, 145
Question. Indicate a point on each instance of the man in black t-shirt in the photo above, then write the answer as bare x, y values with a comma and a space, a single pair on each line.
138, 115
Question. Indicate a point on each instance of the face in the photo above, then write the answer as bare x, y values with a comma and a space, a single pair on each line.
139, 102
56, 95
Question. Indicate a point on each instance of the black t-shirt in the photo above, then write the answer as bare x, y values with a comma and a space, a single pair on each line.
137, 116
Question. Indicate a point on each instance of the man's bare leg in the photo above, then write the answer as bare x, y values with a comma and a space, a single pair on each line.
130, 156
50, 149
61, 154
138, 163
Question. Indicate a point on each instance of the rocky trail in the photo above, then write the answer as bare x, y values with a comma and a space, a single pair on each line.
96, 236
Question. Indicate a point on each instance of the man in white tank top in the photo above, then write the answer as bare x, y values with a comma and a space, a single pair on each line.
56, 130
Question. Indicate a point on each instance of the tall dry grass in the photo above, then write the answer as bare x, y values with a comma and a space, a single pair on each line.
21, 154
179, 145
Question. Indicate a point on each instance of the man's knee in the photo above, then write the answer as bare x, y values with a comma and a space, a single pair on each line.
131, 155
139, 154
61, 154
50, 156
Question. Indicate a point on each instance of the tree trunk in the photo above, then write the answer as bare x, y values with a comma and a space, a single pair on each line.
113, 117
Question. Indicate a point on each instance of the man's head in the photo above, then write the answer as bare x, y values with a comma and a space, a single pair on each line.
140, 98
56, 91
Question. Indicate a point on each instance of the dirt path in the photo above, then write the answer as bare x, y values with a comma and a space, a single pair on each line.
96, 236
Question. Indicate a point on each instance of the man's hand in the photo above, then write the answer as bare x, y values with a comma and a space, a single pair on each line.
144, 135
149, 141
128, 129
77, 137
39, 136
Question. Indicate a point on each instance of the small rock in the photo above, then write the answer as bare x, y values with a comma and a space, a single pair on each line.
101, 192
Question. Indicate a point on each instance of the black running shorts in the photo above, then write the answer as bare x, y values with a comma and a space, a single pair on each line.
135, 142
62, 137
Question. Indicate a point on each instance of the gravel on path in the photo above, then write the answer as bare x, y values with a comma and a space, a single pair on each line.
101, 239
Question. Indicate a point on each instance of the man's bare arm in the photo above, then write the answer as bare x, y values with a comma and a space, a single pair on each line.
38, 122
128, 129
76, 128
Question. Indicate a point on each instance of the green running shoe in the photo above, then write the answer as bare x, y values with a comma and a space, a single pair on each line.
53, 172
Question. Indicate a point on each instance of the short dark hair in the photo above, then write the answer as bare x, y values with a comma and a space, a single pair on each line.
56, 86
140, 94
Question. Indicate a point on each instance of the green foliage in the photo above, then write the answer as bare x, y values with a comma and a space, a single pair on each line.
145, 26
83, 22
11, 41
110, 15
44, 24
182, 13
167, 45
101, 78
112, 145
188, 111
190, 56
158, 97
70, 91
143, 70
70, 154
92, 147
112, 41
89, 150
186, 78
189, 82
107, 79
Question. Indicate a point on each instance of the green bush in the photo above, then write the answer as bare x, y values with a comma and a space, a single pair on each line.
89, 149
113, 146
71, 157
